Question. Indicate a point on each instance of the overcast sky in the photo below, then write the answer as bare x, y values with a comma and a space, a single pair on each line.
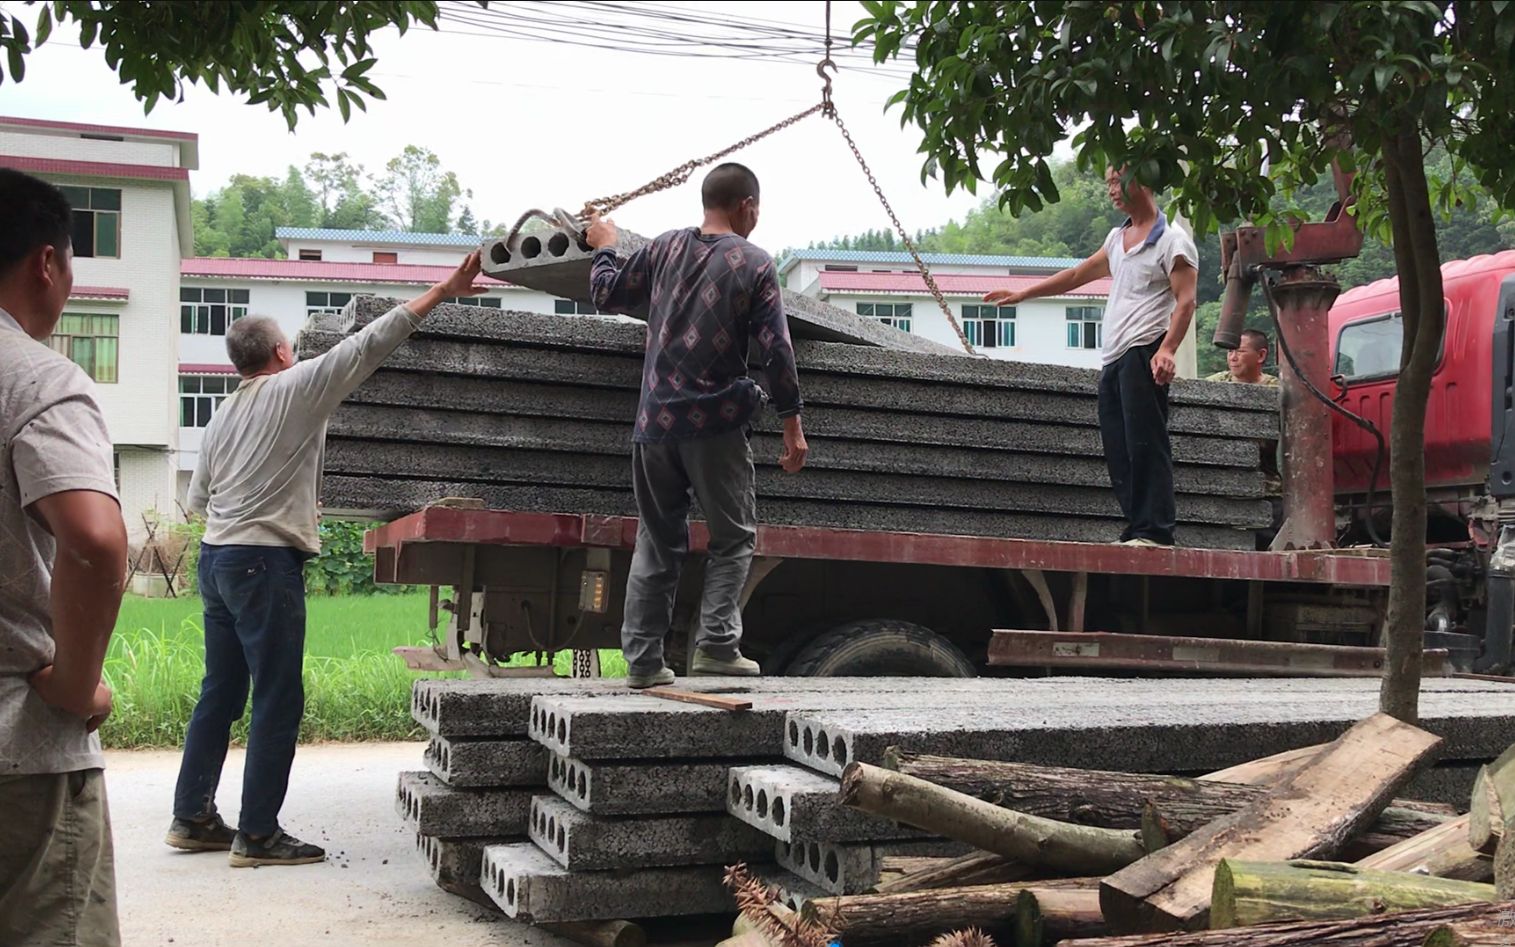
532, 124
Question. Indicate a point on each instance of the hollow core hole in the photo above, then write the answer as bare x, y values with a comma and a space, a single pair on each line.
499, 254
558, 244
839, 751
583, 784
822, 745
833, 870
747, 798
778, 811
531, 248
809, 742
794, 734
762, 804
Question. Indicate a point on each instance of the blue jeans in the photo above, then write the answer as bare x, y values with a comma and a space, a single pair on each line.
254, 633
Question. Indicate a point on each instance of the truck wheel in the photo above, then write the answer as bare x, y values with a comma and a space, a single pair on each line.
883, 648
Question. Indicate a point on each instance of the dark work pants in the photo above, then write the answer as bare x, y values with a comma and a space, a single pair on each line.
718, 471
1133, 424
254, 634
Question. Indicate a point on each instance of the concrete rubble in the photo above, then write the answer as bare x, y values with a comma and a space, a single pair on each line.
533, 412
647, 799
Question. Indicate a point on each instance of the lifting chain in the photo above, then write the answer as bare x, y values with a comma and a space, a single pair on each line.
679, 175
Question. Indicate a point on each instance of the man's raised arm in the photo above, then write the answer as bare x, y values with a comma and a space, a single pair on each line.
1095, 267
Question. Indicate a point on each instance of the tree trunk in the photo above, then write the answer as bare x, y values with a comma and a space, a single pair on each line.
1493, 802
1420, 299
1249, 893
1048, 915
979, 868
1381, 930
1486, 932
920, 914
1442, 852
1028, 840
1504, 865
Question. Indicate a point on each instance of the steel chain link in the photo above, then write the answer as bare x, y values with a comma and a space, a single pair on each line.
679, 175
900, 229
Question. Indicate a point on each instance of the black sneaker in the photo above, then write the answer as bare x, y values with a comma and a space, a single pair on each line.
280, 848
206, 834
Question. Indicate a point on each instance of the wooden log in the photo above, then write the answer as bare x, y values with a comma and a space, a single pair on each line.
977, 868
1163, 823
1048, 915
1504, 863
600, 933
922, 914
1165, 808
1312, 812
1025, 839
1498, 931
1248, 893
1407, 929
1493, 802
1442, 852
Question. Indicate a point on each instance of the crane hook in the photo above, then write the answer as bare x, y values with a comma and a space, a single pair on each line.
820, 69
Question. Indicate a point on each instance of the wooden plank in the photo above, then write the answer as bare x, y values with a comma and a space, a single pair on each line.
1311, 813
1442, 852
1010, 648
1493, 803
718, 701
1268, 769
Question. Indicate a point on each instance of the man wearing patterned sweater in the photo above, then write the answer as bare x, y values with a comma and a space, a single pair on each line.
708, 292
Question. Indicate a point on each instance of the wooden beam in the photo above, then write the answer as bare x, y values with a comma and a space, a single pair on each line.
1211, 655
1268, 769
978, 868
1250, 893
1047, 915
1442, 852
1484, 932
718, 701
921, 914
1310, 813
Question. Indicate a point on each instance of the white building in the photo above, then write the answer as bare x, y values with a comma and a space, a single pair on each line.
129, 188
1065, 330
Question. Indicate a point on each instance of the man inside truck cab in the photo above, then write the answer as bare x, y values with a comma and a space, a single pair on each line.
709, 295
1154, 268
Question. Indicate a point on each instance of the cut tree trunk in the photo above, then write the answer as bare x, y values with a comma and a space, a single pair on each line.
1504, 864
1048, 915
1027, 840
919, 914
1408, 929
978, 868
1248, 893
1496, 931
1442, 852
1311, 813
1493, 802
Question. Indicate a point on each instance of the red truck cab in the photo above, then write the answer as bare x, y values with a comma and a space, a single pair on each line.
1470, 407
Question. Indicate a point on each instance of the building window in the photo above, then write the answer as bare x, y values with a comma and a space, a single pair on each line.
201, 395
989, 327
1086, 327
313, 256
841, 268
488, 302
326, 304
97, 220
568, 307
894, 315
210, 311
386, 256
90, 342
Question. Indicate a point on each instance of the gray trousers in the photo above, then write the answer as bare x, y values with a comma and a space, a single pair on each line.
718, 471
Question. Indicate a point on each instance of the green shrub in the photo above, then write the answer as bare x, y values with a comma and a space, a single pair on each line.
342, 568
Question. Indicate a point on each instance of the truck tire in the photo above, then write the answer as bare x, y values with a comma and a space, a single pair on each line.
881, 648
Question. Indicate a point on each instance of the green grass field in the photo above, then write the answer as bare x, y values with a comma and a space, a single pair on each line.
355, 688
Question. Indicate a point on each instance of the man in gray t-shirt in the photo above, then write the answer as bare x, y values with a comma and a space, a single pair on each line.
1153, 269
62, 568
257, 482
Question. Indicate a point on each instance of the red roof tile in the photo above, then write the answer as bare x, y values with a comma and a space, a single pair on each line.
952, 284
97, 169
99, 292
97, 129
410, 274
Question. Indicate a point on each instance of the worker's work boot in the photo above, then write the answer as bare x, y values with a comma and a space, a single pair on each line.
279, 848
205, 834
662, 677
1139, 541
706, 665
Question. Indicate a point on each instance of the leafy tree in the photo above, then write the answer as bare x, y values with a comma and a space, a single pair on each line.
466, 222
418, 196
287, 55
340, 195
242, 218
1234, 106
